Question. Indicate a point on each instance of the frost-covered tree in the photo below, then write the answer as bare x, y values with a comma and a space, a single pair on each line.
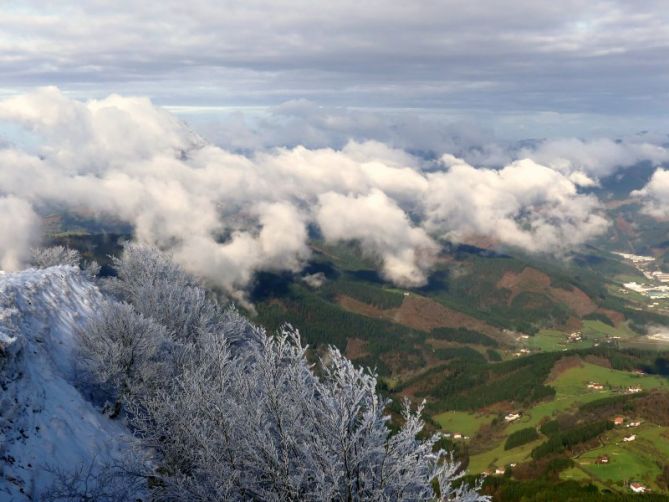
125, 351
158, 288
242, 415
55, 255
93, 481
263, 425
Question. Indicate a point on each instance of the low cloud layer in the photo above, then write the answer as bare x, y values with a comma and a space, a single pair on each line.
524, 204
655, 195
302, 122
596, 158
227, 216
382, 228
18, 231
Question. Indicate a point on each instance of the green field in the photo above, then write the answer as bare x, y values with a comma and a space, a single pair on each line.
626, 295
499, 457
553, 340
571, 387
628, 461
598, 329
571, 391
462, 422
573, 382
594, 332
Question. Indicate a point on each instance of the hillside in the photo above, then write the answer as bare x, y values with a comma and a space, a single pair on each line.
46, 424
492, 333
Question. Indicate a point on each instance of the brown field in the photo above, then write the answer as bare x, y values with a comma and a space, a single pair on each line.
535, 281
425, 314
358, 307
356, 348
616, 317
420, 313
562, 365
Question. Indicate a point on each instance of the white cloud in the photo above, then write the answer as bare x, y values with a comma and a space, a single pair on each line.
384, 231
524, 204
315, 280
596, 158
18, 232
655, 195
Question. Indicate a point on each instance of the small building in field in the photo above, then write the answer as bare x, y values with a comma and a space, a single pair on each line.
639, 488
627, 439
634, 390
604, 459
634, 424
595, 386
618, 420
499, 471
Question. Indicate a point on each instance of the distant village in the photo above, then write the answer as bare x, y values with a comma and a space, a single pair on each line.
646, 265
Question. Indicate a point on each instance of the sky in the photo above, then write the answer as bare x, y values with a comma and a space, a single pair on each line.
518, 69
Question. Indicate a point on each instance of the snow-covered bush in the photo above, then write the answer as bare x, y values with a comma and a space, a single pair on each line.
60, 255
55, 255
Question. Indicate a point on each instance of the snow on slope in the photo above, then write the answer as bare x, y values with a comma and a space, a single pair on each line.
44, 419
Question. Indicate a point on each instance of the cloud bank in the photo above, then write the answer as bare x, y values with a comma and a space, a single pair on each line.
383, 229
303, 122
523, 204
18, 231
227, 216
655, 195
596, 158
